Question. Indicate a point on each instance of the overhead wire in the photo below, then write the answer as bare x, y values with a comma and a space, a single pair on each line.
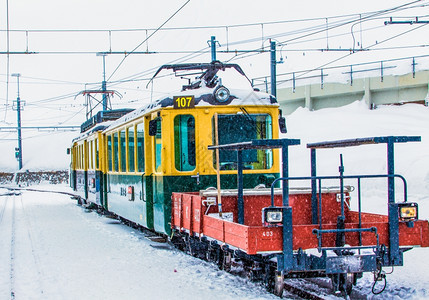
368, 16
7, 59
139, 76
138, 46
189, 27
347, 55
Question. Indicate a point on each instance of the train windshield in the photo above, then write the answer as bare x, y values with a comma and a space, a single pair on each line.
244, 127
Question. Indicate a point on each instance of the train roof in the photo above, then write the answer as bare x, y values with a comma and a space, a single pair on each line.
98, 127
207, 90
203, 97
103, 116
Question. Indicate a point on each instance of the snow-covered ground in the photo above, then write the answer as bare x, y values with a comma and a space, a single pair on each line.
52, 249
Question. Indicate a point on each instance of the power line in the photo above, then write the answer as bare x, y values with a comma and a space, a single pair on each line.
202, 52
71, 127
7, 58
340, 24
347, 55
196, 27
50, 81
138, 46
321, 27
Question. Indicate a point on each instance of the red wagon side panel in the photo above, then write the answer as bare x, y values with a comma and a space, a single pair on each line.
188, 213
416, 236
176, 217
214, 228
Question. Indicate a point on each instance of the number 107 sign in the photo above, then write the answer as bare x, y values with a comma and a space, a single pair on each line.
184, 101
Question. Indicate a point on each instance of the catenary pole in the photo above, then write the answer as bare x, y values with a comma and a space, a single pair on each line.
103, 83
18, 109
213, 47
273, 68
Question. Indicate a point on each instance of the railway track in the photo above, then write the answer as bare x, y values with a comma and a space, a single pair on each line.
291, 290
12, 251
316, 289
13, 189
16, 226
3, 207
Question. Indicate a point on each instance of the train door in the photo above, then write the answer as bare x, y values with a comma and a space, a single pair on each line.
86, 163
73, 166
157, 178
184, 143
186, 175
137, 134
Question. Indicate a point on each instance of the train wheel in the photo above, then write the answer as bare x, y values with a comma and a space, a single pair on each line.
178, 242
348, 283
227, 259
343, 282
278, 284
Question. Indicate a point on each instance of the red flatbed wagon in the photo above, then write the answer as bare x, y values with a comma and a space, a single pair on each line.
280, 228
193, 214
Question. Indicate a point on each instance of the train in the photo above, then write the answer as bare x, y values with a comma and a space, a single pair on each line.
206, 168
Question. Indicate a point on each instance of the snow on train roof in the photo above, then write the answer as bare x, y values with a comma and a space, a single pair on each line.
204, 96
99, 127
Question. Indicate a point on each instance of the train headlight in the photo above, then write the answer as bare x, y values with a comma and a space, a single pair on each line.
222, 94
408, 211
272, 216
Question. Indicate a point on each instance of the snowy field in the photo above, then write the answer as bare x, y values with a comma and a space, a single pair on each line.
53, 249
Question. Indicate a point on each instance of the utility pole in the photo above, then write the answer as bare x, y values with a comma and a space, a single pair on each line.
103, 84
18, 151
273, 68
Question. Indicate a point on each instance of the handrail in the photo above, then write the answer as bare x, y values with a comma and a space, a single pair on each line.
319, 232
337, 177
341, 177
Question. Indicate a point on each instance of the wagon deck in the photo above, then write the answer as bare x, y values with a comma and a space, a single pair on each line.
198, 215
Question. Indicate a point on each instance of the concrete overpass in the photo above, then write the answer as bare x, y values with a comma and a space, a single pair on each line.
392, 89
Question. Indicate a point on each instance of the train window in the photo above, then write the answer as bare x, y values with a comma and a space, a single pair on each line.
115, 152
122, 150
184, 142
158, 145
236, 128
73, 161
91, 155
81, 156
109, 152
97, 155
140, 147
131, 160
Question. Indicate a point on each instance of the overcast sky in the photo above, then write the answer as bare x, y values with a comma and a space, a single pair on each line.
66, 62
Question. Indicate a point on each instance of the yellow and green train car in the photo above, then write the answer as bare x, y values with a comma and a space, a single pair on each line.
133, 164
